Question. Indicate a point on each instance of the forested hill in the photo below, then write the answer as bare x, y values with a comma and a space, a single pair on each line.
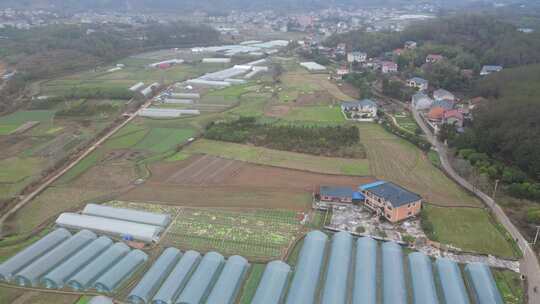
508, 126
490, 41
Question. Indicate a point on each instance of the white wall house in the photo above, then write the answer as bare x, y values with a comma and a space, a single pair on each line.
356, 57
420, 83
363, 110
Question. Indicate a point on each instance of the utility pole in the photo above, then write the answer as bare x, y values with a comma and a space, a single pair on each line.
536, 236
495, 189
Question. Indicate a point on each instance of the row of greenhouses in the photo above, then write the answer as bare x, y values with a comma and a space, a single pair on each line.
337, 270
189, 278
363, 271
81, 261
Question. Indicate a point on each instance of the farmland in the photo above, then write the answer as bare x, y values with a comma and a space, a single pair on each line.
474, 232
283, 159
255, 234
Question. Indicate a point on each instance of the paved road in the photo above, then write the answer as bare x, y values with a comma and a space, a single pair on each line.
529, 265
72, 164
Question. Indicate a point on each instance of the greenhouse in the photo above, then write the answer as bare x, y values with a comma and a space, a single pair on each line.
452, 285
144, 217
177, 279
272, 285
202, 279
306, 277
423, 284
482, 284
154, 277
120, 271
365, 272
58, 277
22, 259
84, 278
31, 274
140, 232
228, 284
337, 273
394, 290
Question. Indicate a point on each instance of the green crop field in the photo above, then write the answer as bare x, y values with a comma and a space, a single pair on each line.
510, 285
260, 234
470, 229
395, 159
163, 139
406, 122
322, 114
20, 117
279, 158
7, 129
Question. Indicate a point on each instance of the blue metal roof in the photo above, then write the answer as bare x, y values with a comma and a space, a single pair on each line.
335, 191
396, 195
358, 196
371, 185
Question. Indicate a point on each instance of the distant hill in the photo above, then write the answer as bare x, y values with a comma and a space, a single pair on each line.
215, 6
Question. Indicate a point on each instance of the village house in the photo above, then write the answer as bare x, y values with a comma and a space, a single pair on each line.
446, 104
488, 69
436, 114
391, 201
356, 57
433, 58
453, 117
342, 71
442, 94
409, 45
420, 83
421, 101
389, 67
363, 110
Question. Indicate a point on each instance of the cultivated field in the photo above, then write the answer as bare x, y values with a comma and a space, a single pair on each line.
259, 235
397, 160
264, 156
206, 170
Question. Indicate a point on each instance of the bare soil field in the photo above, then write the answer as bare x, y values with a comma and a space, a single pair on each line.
218, 196
277, 110
320, 97
206, 170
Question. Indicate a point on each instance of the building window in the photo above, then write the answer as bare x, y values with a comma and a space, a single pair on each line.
410, 213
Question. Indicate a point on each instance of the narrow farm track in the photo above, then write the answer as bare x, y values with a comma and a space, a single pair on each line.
529, 265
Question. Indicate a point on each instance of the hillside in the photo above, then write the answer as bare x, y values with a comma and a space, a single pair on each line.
507, 127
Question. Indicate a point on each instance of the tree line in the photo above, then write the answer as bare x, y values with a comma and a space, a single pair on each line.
337, 141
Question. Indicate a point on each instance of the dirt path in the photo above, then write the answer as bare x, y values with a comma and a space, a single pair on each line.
55, 176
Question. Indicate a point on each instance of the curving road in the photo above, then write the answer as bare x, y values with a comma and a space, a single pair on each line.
529, 265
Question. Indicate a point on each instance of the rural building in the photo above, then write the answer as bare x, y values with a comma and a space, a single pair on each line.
433, 58
136, 87
335, 194
436, 114
446, 104
342, 71
488, 69
391, 201
389, 67
410, 45
453, 117
442, 94
216, 60
166, 63
420, 83
421, 101
363, 110
356, 57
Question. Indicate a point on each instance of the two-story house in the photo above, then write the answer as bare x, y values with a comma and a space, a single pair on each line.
391, 201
